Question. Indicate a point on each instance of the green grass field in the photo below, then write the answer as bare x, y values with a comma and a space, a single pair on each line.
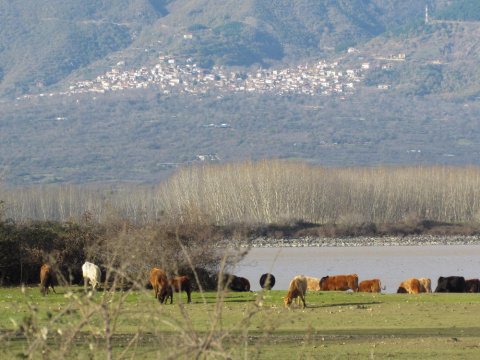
242, 325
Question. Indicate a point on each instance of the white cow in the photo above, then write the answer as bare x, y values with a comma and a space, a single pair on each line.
91, 272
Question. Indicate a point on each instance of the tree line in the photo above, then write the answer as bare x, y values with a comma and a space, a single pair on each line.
263, 192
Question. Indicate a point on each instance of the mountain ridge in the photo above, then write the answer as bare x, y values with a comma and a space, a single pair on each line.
162, 94
43, 44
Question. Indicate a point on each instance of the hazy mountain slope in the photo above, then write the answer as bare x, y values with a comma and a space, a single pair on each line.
460, 10
42, 43
143, 136
441, 57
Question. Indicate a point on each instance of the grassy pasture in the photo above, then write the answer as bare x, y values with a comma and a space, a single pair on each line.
240, 325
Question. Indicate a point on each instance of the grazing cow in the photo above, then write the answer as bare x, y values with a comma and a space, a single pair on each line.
410, 286
296, 289
91, 273
232, 282
159, 282
178, 284
223, 280
472, 285
339, 282
427, 284
371, 286
267, 281
47, 279
313, 283
239, 283
455, 284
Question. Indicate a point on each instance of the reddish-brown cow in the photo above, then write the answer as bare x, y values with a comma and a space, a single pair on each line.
46, 279
159, 281
339, 282
372, 286
178, 284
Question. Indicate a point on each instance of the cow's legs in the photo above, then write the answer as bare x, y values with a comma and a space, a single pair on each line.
303, 300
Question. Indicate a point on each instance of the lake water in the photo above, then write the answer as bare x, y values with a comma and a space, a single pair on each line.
391, 264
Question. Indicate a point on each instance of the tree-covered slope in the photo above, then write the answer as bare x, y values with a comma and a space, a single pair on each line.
42, 43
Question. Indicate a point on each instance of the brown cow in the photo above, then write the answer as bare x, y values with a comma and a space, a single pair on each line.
178, 284
313, 283
46, 279
296, 289
371, 286
339, 282
411, 286
427, 284
159, 281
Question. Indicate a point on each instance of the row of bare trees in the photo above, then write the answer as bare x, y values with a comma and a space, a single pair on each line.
265, 192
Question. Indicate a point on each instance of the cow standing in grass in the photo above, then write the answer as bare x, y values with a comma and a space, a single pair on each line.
267, 281
296, 289
339, 283
313, 283
179, 284
232, 282
239, 283
91, 273
160, 284
472, 285
427, 284
371, 286
411, 286
454, 284
46, 279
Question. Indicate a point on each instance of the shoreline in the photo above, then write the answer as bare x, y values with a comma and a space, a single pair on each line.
409, 240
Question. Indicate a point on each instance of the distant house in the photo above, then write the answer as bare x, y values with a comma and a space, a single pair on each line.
208, 157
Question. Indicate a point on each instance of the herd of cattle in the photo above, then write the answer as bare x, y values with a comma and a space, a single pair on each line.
164, 287
300, 284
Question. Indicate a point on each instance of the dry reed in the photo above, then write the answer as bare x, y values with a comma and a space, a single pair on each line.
265, 192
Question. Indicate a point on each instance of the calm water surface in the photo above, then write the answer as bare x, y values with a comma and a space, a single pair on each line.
391, 264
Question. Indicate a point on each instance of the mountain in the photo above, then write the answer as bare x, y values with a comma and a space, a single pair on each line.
132, 90
45, 43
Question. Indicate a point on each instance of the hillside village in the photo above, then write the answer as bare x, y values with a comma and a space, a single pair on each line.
173, 76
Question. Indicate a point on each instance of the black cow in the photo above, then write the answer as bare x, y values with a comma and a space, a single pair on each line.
267, 281
232, 282
455, 284
472, 286
240, 284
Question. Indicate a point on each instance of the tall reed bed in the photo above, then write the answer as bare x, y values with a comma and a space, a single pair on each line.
266, 192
